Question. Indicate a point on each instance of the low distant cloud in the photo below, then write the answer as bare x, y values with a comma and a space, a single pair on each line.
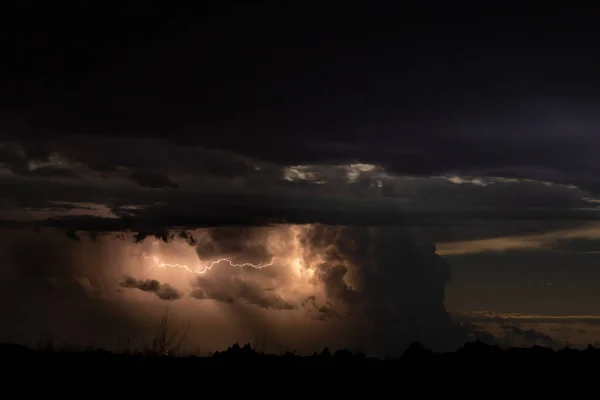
549, 241
515, 336
164, 291
491, 316
515, 329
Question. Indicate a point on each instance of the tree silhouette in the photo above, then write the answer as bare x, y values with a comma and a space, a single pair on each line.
167, 341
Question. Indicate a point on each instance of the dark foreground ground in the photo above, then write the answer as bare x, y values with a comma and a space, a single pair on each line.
475, 370
415, 357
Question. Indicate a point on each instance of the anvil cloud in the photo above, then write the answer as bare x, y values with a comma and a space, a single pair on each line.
379, 137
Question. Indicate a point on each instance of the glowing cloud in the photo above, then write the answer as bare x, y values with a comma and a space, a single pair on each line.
158, 263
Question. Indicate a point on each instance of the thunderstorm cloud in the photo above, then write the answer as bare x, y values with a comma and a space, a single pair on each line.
296, 177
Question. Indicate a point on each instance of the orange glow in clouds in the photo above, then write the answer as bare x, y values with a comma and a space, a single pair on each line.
289, 269
156, 262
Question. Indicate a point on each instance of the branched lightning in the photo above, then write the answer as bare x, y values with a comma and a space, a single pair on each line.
156, 262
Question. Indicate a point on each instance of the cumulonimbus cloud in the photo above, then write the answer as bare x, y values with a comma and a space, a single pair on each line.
378, 285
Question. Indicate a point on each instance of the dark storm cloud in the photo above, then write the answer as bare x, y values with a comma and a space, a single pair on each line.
231, 117
153, 224
23, 191
147, 161
399, 293
324, 89
232, 242
185, 124
19, 163
538, 153
164, 291
340, 195
153, 180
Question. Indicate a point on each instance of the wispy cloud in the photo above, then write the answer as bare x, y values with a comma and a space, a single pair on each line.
492, 316
549, 241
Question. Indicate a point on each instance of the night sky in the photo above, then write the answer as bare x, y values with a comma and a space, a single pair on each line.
341, 145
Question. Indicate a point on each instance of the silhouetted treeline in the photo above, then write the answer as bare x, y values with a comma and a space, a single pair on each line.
474, 353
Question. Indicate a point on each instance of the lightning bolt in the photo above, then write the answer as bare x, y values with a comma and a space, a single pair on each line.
156, 262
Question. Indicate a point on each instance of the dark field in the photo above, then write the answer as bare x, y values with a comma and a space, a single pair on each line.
415, 356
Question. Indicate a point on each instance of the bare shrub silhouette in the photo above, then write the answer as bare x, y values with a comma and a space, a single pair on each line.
167, 340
